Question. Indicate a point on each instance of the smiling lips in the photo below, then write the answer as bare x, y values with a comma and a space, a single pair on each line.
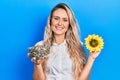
59, 28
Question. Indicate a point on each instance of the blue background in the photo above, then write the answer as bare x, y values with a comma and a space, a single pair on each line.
22, 24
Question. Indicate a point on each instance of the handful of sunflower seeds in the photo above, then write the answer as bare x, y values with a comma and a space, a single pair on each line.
40, 52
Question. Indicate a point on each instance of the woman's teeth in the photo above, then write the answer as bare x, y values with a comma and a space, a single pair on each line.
59, 28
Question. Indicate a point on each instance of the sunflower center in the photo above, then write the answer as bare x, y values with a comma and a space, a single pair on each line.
93, 42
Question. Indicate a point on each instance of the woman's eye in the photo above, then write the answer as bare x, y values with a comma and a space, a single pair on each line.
56, 18
65, 20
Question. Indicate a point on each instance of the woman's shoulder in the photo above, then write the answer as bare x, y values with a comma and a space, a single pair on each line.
39, 43
81, 43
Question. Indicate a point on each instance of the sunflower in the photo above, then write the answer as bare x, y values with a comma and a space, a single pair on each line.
94, 43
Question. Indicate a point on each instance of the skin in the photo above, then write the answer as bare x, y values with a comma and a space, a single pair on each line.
85, 73
59, 26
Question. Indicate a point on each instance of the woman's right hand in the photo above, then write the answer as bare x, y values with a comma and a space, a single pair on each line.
33, 59
38, 73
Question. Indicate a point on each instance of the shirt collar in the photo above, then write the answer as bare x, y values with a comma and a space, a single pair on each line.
63, 43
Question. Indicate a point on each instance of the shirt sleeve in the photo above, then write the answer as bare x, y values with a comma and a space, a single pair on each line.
81, 43
39, 43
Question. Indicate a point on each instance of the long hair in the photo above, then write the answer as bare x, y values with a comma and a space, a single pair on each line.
74, 46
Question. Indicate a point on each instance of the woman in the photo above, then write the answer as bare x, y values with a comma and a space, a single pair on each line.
67, 59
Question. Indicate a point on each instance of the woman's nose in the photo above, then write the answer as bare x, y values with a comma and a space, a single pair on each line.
60, 22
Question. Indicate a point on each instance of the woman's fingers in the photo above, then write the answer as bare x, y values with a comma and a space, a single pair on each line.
94, 54
34, 59
28, 55
39, 61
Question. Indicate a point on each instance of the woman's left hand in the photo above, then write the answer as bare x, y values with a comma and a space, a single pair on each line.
94, 55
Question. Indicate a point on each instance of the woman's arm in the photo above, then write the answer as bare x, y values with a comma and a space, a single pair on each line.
38, 72
85, 73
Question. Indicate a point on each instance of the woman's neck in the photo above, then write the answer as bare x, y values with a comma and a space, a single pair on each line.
59, 39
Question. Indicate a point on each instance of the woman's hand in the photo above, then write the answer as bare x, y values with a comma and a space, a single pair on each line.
85, 73
38, 70
33, 59
94, 55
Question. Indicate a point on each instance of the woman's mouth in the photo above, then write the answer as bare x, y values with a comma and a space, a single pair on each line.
59, 28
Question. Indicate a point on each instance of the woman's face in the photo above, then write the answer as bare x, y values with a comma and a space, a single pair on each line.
59, 22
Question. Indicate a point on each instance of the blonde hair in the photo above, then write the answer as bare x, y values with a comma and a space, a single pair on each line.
72, 39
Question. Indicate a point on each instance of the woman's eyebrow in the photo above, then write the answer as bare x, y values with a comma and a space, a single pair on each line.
59, 17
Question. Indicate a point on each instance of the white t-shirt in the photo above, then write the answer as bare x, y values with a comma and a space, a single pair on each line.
59, 63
